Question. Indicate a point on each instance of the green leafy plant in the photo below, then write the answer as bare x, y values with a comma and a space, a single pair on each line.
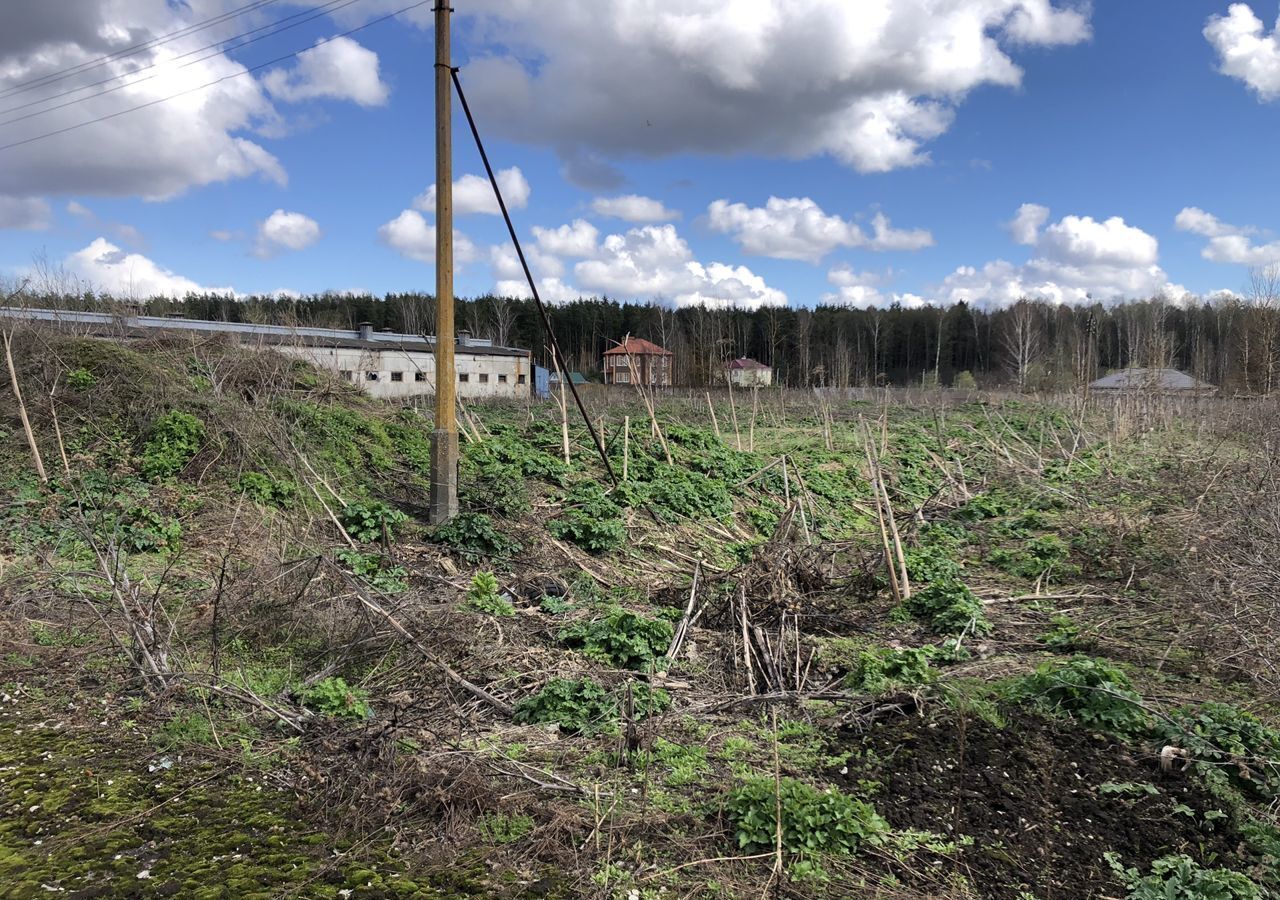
473, 536
373, 568
621, 638
81, 379
1091, 691
500, 828
1232, 740
370, 520
813, 821
1174, 877
939, 595
590, 520
1063, 636
175, 438
334, 697
882, 669
1129, 788
483, 594
584, 707
266, 490
143, 530
1036, 557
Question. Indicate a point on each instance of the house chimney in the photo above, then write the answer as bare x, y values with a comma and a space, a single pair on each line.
366, 331
464, 338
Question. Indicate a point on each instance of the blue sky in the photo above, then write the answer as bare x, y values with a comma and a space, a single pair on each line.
863, 152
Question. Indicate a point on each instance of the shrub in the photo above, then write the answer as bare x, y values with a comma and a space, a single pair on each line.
483, 595
813, 821
334, 697
473, 536
370, 520
621, 638
1236, 742
591, 521
372, 568
1180, 876
264, 489
175, 438
1091, 691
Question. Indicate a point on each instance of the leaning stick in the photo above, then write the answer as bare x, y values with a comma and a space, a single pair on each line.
22, 410
714, 423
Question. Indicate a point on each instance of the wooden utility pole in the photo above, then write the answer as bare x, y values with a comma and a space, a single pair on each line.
444, 439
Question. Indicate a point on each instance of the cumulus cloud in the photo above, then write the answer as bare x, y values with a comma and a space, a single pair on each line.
633, 208
867, 83
474, 194
576, 239
1074, 260
1246, 50
654, 261
25, 213
282, 231
1026, 225
1227, 243
862, 290
798, 228
107, 268
119, 230
339, 69
413, 237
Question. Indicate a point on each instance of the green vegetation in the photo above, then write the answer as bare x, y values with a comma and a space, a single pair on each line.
175, 438
266, 490
590, 520
884, 669
1089, 690
372, 520
483, 595
334, 697
1236, 743
584, 707
474, 537
621, 638
813, 821
1174, 877
375, 569
939, 596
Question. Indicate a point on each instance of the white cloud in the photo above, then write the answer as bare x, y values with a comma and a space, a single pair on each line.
156, 152
797, 228
338, 69
1026, 225
1227, 243
634, 208
862, 290
1246, 51
126, 233
474, 194
575, 240
653, 261
25, 213
868, 83
283, 231
413, 237
1074, 260
109, 269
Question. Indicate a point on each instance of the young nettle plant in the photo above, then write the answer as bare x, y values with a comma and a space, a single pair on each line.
334, 697
483, 594
590, 520
175, 438
622, 638
370, 520
1091, 691
813, 821
1174, 877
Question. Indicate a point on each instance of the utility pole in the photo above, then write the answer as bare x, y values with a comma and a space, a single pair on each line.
444, 439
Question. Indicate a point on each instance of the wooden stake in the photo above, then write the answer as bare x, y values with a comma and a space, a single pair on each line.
57, 428
22, 410
733, 411
626, 445
564, 421
751, 432
714, 424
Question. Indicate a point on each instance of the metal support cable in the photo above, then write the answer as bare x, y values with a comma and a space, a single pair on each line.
528, 274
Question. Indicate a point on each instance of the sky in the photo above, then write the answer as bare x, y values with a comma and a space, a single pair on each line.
719, 152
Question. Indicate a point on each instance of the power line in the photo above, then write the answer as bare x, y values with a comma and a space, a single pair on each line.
325, 9
62, 74
209, 84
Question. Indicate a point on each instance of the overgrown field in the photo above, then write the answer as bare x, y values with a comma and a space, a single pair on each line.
952, 646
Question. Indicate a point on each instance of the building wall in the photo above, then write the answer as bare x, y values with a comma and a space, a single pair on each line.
751, 377
648, 368
406, 373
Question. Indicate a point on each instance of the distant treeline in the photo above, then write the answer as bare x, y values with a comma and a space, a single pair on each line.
1230, 342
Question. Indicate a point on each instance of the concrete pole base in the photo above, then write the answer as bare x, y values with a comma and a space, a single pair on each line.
444, 483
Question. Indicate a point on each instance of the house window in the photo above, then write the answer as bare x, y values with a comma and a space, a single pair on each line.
502, 379
464, 377
397, 376
519, 379
370, 376
622, 378
348, 375
484, 377
419, 376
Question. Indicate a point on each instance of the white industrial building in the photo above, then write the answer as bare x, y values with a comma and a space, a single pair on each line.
384, 364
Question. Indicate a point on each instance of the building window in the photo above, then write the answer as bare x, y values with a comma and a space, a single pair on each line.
397, 376
370, 376
419, 376
621, 378
502, 379
464, 377
484, 377
519, 379
348, 375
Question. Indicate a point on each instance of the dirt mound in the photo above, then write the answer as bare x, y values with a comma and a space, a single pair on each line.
1042, 801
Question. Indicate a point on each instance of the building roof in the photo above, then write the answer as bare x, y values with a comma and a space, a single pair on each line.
109, 325
745, 363
1150, 379
634, 346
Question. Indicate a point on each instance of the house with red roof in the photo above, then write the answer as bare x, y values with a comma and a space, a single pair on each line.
745, 372
637, 361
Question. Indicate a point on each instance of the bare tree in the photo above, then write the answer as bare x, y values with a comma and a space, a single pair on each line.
1264, 297
1022, 339
503, 314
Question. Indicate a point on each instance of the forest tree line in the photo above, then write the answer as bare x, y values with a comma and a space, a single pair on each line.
1232, 342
